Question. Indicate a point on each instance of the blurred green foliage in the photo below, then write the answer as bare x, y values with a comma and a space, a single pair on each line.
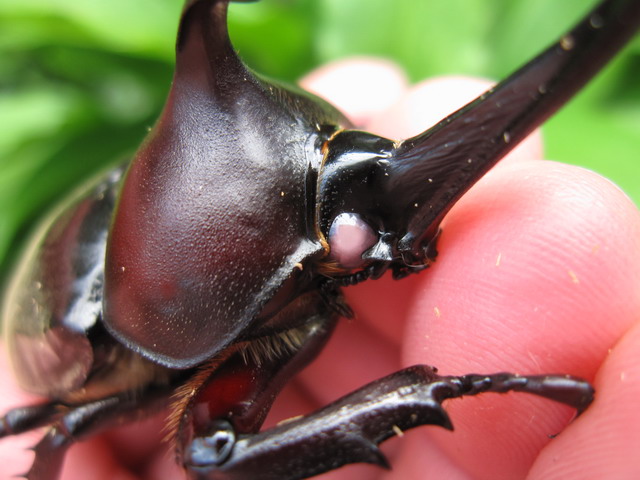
81, 81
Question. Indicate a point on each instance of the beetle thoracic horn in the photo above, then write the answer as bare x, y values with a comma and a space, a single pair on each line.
212, 182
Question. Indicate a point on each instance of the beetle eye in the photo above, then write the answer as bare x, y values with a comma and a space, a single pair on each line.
349, 238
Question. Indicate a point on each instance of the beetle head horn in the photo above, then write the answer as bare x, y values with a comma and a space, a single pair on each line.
404, 189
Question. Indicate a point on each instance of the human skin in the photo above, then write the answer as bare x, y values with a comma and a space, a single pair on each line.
538, 272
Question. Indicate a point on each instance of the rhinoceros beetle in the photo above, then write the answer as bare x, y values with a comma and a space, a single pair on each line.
219, 253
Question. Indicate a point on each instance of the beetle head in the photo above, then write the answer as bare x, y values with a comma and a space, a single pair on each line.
380, 202
395, 194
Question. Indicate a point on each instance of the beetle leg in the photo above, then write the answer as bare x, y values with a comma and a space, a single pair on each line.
50, 450
235, 397
350, 429
22, 419
76, 423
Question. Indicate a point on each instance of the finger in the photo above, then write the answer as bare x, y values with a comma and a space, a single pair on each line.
93, 458
428, 102
606, 441
137, 444
537, 273
15, 456
354, 356
354, 86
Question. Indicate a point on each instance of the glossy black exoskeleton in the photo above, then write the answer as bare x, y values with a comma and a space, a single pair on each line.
219, 253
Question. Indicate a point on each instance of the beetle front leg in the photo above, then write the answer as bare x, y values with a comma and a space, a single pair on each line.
350, 429
72, 423
232, 397
50, 450
22, 419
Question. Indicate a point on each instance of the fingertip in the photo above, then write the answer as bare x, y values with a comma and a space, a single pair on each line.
604, 441
16, 453
537, 273
428, 102
360, 87
539, 248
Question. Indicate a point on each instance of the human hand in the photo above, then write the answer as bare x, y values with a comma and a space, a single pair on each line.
537, 273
